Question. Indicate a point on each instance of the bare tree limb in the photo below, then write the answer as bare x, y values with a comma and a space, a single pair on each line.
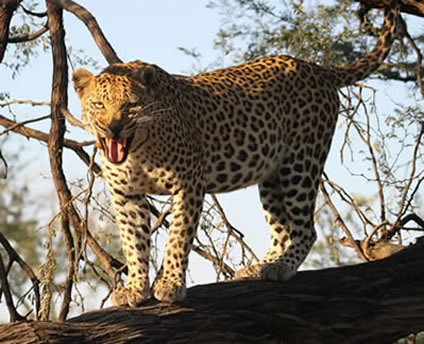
59, 100
88, 19
14, 256
5, 289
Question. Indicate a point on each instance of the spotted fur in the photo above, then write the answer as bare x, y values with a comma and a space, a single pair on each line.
268, 122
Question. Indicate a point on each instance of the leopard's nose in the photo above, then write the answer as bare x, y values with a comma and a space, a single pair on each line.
114, 129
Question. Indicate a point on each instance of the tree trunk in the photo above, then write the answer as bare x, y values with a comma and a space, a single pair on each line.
375, 302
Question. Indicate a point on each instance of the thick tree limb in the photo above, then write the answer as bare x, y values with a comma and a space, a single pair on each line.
375, 302
87, 18
59, 100
7, 7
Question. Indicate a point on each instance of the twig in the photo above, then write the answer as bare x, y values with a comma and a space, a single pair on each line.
225, 268
341, 223
35, 14
366, 243
412, 217
239, 237
347, 198
30, 36
403, 208
72, 120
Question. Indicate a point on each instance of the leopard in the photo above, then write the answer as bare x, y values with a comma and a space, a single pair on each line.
268, 122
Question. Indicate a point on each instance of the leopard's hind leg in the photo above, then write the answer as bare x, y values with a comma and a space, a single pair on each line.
288, 199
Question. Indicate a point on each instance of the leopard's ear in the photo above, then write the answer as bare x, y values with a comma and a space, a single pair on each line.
81, 79
147, 75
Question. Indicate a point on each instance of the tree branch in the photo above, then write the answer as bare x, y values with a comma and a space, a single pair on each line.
77, 147
377, 302
59, 100
30, 36
14, 257
88, 19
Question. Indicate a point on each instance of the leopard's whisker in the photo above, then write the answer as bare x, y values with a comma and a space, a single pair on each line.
140, 118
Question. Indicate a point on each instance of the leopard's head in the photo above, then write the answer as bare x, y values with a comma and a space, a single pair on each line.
113, 101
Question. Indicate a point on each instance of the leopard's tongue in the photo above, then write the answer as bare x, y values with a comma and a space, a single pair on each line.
115, 150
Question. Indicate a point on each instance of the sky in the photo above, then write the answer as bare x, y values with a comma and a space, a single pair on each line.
151, 31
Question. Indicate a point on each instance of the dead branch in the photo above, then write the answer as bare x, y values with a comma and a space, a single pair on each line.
14, 257
339, 220
238, 235
77, 147
5, 289
223, 267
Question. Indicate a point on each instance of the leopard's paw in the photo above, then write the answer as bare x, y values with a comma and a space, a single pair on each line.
129, 296
167, 290
277, 271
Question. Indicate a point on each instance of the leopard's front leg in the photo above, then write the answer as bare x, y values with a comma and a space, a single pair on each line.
187, 205
133, 217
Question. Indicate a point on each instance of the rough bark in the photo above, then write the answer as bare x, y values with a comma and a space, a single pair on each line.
375, 302
7, 7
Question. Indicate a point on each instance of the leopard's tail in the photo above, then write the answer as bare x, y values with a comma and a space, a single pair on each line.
346, 75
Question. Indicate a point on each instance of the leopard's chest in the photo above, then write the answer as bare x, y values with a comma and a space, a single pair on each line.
135, 177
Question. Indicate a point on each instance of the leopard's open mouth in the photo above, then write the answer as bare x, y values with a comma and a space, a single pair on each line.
116, 150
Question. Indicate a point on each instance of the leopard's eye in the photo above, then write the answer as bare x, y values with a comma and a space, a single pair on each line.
98, 105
